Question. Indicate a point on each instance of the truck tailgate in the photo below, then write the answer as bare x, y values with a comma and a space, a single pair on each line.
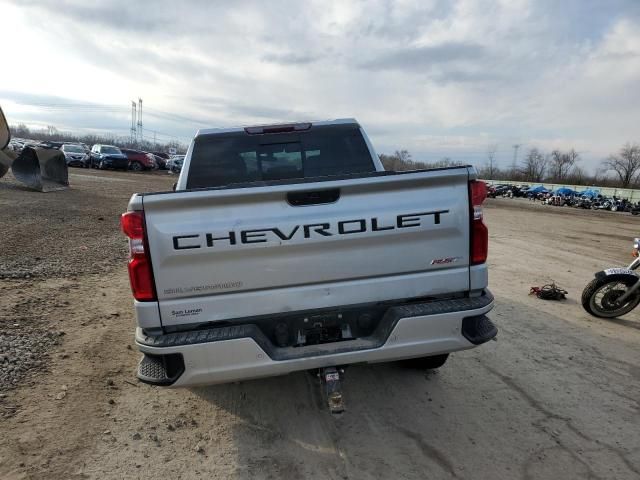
239, 252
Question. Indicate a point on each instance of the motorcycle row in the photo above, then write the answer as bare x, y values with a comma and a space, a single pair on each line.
565, 197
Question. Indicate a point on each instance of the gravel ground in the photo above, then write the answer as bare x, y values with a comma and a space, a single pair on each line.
49, 243
22, 352
78, 229
557, 396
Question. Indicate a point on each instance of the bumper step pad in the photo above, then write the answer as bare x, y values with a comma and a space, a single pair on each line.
160, 369
478, 329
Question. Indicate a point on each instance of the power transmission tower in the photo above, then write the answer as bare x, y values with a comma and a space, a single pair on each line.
140, 134
133, 123
515, 156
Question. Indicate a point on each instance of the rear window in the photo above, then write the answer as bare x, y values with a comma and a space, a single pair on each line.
110, 150
238, 157
73, 148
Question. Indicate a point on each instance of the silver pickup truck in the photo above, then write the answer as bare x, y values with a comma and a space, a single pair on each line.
288, 247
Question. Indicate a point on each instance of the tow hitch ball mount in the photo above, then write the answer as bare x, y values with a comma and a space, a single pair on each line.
331, 388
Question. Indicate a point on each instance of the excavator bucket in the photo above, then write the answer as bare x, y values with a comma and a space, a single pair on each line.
6, 159
5, 133
41, 169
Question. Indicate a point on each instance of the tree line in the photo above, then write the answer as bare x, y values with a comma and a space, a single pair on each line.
52, 134
402, 160
620, 170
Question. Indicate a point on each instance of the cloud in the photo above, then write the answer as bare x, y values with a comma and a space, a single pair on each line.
291, 58
425, 58
438, 77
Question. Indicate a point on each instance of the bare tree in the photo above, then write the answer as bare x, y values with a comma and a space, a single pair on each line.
388, 161
577, 176
444, 162
400, 160
534, 165
561, 163
21, 131
403, 156
626, 165
490, 165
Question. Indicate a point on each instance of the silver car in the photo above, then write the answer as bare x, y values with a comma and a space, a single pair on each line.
75, 155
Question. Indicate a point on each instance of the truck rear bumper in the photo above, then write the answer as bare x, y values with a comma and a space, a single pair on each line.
227, 354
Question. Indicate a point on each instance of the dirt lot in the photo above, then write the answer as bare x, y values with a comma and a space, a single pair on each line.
557, 396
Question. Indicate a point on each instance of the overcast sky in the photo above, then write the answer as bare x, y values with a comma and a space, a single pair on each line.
439, 78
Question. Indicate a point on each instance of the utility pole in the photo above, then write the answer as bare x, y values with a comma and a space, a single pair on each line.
133, 134
140, 133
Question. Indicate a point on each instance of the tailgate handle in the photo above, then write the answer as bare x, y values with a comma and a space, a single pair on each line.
314, 197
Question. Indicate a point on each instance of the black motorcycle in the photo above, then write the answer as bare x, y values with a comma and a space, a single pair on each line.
615, 291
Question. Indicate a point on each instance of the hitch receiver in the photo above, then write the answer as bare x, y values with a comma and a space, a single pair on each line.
331, 388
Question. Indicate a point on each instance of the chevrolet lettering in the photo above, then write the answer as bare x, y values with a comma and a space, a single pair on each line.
318, 230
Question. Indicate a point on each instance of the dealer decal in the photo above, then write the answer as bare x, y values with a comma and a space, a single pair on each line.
189, 312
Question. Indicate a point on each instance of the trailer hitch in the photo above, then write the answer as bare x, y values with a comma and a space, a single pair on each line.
331, 388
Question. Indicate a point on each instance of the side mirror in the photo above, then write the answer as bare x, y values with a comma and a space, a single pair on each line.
175, 185
5, 134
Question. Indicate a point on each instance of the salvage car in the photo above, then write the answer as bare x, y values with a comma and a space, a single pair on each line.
161, 159
75, 155
138, 160
108, 156
288, 247
174, 165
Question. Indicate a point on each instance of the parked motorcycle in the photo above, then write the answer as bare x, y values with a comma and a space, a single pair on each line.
601, 203
615, 291
581, 202
619, 205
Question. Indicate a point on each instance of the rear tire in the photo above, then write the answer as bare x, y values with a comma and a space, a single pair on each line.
425, 363
136, 167
590, 301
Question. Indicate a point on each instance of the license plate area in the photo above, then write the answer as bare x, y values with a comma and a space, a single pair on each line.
300, 330
323, 329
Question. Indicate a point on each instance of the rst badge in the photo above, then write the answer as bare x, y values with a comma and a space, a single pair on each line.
444, 261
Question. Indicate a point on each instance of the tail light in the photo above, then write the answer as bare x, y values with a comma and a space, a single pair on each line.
479, 231
140, 273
